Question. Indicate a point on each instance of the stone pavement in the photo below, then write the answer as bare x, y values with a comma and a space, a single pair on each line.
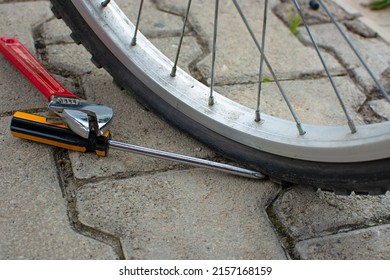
56, 204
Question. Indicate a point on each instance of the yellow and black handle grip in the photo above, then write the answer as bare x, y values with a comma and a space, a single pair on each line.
36, 128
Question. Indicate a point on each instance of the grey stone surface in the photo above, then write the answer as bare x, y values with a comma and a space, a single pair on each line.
187, 214
237, 51
20, 19
33, 213
163, 210
190, 50
67, 57
375, 52
286, 10
55, 31
234, 64
153, 21
314, 100
306, 214
16, 92
366, 244
381, 107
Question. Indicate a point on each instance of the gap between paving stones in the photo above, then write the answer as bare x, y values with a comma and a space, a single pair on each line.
68, 187
75, 83
292, 235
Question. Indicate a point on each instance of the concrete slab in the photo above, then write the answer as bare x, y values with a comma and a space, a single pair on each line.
190, 50
20, 19
381, 107
55, 31
289, 58
286, 11
153, 22
306, 214
186, 214
314, 100
377, 20
16, 92
366, 244
33, 213
369, 48
234, 64
66, 58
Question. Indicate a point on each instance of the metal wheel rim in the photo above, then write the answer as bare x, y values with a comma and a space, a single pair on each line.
226, 117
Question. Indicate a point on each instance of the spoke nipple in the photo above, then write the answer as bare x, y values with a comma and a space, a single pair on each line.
352, 127
211, 100
257, 118
134, 41
301, 131
173, 72
105, 3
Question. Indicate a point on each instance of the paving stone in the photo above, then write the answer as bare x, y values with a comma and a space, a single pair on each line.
377, 60
366, 244
190, 50
306, 214
381, 107
235, 64
16, 92
239, 63
69, 58
34, 222
378, 20
19, 19
153, 22
314, 100
55, 31
135, 125
184, 215
286, 11
358, 27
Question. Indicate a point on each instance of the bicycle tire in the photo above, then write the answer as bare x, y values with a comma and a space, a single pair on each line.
364, 177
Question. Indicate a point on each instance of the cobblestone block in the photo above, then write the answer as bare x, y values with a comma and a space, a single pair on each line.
366, 244
307, 214
186, 214
34, 222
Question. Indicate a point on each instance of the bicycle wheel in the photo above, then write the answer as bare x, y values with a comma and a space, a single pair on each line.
327, 157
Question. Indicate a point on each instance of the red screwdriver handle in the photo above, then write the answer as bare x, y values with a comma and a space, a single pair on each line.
26, 63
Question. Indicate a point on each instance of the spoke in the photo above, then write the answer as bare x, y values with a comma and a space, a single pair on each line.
134, 40
105, 3
349, 119
211, 97
290, 107
357, 53
173, 72
257, 113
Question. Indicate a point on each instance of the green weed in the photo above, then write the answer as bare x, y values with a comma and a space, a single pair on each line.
295, 21
379, 4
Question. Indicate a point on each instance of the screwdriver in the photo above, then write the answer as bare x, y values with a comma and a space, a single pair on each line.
36, 128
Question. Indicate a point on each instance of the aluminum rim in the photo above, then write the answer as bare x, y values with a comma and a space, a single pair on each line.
226, 117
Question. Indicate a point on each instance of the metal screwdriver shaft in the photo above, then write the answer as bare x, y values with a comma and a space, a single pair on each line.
36, 128
186, 159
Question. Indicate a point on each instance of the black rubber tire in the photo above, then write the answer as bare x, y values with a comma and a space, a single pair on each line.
371, 177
